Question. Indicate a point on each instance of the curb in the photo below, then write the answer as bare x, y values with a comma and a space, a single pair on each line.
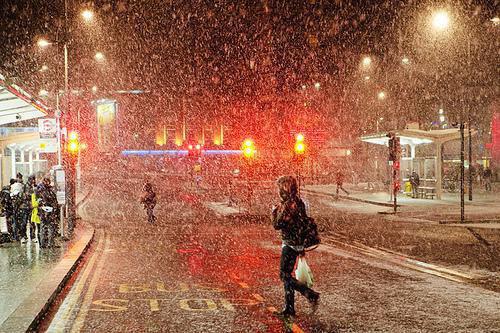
31, 311
350, 198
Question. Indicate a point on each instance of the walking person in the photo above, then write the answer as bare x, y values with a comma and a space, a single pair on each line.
148, 199
339, 181
487, 175
415, 183
287, 216
47, 211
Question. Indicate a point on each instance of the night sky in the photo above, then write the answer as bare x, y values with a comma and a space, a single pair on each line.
217, 52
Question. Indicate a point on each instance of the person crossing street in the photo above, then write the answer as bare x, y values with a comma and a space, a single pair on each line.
287, 217
148, 199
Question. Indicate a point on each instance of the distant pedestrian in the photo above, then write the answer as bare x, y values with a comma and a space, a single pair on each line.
287, 216
47, 211
415, 183
487, 175
148, 199
339, 181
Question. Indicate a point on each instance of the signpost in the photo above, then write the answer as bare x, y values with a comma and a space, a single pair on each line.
394, 161
47, 127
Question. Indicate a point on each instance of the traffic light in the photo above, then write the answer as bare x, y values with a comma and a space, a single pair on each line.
394, 147
248, 149
73, 144
300, 146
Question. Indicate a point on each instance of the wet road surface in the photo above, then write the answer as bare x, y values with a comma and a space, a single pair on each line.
193, 272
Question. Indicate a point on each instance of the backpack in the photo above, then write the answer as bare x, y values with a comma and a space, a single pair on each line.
309, 233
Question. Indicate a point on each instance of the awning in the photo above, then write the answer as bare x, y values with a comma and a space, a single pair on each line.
417, 137
17, 105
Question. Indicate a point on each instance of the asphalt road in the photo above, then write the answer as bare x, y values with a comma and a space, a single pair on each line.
194, 272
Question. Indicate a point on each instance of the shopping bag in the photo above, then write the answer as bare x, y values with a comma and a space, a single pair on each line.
303, 273
3, 225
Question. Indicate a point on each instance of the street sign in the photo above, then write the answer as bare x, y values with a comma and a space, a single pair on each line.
61, 197
47, 128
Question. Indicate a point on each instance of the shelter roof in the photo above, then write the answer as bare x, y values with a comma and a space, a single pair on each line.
416, 136
17, 105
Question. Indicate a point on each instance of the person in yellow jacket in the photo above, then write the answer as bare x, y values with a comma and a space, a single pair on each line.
35, 218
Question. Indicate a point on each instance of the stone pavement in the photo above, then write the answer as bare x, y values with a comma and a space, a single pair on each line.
31, 277
484, 208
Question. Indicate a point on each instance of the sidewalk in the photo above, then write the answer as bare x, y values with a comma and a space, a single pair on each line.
485, 206
31, 277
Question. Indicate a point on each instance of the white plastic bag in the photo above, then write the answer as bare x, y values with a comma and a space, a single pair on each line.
3, 225
303, 273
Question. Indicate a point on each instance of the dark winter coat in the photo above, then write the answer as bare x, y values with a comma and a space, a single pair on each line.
6, 202
414, 179
148, 199
47, 197
288, 217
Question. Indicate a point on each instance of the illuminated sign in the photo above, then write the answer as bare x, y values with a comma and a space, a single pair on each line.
106, 111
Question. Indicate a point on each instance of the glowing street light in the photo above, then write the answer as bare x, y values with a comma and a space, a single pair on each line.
405, 60
317, 85
366, 62
87, 15
42, 42
495, 20
440, 20
381, 95
99, 56
44, 68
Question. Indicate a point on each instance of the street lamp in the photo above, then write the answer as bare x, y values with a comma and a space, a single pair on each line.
381, 95
42, 42
405, 60
366, 62
440, 20
87, 15
99, 56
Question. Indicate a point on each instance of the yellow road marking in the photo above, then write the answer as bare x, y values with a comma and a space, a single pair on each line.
184, 304
87, 301
243, 285
74, 296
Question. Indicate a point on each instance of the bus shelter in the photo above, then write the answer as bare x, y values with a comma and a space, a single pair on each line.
20, 146
411, 138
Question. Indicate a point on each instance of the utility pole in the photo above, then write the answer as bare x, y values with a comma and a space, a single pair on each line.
467, 96
462, 172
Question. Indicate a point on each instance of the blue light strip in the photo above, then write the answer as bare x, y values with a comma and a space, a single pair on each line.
177, 152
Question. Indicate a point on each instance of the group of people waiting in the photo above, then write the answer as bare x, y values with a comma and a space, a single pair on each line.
28, 211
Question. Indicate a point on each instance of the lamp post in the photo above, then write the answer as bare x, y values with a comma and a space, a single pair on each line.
62, 120
441, 22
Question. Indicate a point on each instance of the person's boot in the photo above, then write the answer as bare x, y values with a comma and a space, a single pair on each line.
286, 313
313, 298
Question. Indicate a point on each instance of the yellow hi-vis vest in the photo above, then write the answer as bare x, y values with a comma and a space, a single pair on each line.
34, 213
